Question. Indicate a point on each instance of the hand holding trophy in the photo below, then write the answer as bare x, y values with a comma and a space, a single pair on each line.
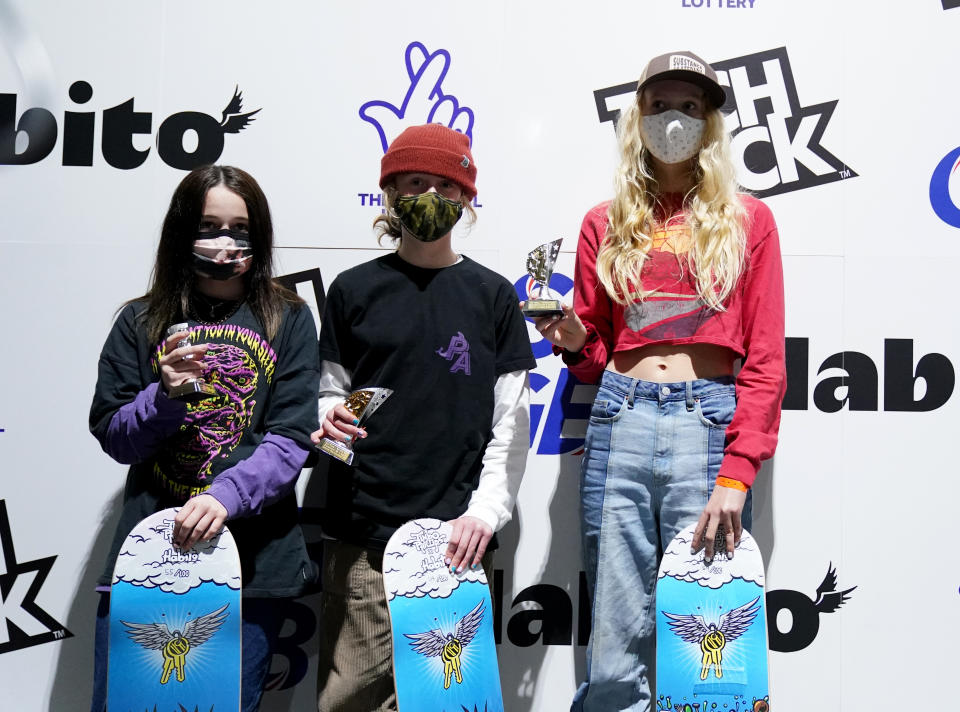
540, 264
362, 404
194, 389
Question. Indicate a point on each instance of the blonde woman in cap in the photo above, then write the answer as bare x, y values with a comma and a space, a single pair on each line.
677, 279
445, 334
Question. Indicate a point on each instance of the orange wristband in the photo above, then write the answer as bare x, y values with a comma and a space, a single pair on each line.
732, 484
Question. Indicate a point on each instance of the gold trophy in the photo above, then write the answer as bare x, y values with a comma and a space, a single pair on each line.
361, 403
540, 264
196, 389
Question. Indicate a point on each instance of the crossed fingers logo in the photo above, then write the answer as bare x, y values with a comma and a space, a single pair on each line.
425, 100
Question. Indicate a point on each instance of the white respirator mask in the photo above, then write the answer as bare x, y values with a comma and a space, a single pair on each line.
672, 136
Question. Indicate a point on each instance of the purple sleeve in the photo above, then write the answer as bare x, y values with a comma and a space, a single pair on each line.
138, 428
261, 479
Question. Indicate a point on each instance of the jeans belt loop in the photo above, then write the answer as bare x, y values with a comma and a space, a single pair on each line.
634, 384
689, 395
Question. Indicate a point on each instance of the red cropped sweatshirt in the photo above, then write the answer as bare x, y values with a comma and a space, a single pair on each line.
673, 313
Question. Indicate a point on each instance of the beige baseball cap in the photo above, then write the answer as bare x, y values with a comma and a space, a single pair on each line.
687, 67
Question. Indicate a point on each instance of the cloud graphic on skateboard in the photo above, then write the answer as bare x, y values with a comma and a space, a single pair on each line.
154, 562
679, 563
425, 573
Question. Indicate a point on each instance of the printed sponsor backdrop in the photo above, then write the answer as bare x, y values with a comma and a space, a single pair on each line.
104, 104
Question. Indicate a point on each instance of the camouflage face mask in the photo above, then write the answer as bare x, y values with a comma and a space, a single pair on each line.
428, 216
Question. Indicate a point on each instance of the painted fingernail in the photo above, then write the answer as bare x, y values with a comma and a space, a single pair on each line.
447, 561
362, 433
356, 422
474, 566
347, 438
453, 570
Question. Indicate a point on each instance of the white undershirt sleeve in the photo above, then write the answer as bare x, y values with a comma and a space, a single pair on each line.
334, 387
506, 455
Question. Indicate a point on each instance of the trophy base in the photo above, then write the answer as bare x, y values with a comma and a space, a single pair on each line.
542, 307
192, 391
336, 450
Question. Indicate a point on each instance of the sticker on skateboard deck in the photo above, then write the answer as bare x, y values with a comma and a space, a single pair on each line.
174, 623
444, 655
711, 629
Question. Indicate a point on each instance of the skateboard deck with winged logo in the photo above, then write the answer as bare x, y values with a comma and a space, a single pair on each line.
174, 623
444, 655
711, 629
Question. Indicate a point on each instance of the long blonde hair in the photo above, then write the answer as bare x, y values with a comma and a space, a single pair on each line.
714, 216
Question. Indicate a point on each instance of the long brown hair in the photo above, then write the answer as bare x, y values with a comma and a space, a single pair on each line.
172, 279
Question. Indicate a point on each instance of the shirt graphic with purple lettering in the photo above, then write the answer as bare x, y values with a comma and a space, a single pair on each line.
458, 352
214, 426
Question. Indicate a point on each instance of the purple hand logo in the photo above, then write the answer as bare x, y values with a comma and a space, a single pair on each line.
425, 101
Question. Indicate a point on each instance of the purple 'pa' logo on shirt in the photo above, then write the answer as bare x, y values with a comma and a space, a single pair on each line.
459, 352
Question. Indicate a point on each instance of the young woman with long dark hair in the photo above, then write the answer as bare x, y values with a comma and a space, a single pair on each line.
235, 455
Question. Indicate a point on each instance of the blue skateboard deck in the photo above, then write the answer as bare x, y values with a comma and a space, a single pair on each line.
174, 623
711, 630
444, 655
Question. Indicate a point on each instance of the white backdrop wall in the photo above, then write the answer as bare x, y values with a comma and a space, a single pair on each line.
844, 115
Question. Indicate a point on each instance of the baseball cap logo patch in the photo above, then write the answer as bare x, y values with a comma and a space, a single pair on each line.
679, 61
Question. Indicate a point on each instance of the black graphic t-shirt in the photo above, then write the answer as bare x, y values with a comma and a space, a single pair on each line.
260, 388
439, 338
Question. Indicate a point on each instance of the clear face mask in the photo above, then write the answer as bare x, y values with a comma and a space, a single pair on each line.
672, 136
222, 255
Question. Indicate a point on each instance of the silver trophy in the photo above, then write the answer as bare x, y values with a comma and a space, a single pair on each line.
196, 389
362, 404
540, 264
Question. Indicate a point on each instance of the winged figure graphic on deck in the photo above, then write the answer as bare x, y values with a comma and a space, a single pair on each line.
448, 646
713, 637
175, 646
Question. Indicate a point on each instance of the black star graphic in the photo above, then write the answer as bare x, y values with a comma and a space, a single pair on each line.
16, 638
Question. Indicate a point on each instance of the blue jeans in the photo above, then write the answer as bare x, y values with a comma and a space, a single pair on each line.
653, 451
262, 620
